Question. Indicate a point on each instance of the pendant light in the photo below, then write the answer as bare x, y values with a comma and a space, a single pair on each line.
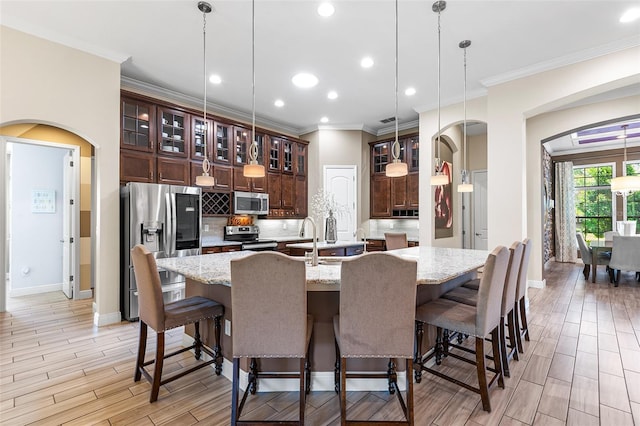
204, 179
439, 178
465, 186
396, 168
624, 185
253, 169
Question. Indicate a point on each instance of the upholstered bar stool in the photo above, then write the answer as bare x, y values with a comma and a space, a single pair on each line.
395, 240
507, 309
161, 317
477, 321
522, 326
376, 320
269, 317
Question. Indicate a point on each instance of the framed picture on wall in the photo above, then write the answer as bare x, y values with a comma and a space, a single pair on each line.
444, 205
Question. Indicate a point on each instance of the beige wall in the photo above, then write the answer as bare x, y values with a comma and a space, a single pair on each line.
47, 83
477, 152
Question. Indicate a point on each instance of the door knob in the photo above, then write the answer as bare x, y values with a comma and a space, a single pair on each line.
477, 235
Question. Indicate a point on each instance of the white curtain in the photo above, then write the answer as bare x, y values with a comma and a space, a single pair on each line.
566, 244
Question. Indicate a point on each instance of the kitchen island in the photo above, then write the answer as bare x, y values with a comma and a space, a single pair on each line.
338, 248
439, 270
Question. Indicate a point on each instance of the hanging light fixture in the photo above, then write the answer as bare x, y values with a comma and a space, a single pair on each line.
204, 179
439, 178
396, 168
624, 185
253, 169
465, 186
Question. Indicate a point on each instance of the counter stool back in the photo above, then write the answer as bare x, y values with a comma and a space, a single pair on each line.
376, 320
269, 317
477, 321
522, 328
161, 317
395, 240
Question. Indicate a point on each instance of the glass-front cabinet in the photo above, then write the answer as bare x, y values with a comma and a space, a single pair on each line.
241, 142
137, 125
301, 159
274, 154
222, 142
379, 157
174, 132
287, 156
200, 140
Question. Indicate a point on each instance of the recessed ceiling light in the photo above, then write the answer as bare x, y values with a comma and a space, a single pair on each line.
410, 91
630, 15
326, 9
324, 120
304, 80
279, 103
215, 79
332, 94
366, 62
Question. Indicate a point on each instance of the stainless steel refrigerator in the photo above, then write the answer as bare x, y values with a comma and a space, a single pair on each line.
167, 220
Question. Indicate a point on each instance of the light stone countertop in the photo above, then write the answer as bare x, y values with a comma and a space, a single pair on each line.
326, 245
435, 266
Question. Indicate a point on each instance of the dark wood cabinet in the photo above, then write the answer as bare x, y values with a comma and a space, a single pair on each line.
223, 176
399, 196
241, 145
274, 185
301, 196
380, 196
287, 186
136, 166
200, 140
222, 142
174, 137
173, 171
288, 192
375, 245
137, 129
301, 159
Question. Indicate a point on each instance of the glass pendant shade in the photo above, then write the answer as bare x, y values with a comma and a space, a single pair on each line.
396, 169
205, 180
253, 170
624, 185
439, 179
465, 187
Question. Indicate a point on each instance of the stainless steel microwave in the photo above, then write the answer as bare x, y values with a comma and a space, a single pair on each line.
250, 203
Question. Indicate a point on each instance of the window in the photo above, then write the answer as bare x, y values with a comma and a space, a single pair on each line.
593, 199
632, 168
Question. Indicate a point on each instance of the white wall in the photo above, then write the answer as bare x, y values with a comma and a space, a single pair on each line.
45, 82
36, 251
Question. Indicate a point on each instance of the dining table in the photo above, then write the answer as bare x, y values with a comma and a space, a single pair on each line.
598, 247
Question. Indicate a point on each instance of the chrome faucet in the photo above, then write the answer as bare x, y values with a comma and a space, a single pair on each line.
314, 253
364, 237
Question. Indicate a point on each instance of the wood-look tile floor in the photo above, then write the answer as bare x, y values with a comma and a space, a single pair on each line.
581, 367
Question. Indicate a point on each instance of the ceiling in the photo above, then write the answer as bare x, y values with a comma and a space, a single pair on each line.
160, 46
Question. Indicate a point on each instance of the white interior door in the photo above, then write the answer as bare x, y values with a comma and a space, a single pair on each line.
480, 231
341, 182
69, 238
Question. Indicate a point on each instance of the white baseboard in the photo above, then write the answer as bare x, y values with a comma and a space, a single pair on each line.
320, 380
26, 291
85, 294
537, 283
106, 319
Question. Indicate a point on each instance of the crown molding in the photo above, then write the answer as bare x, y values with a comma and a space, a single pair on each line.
401, 126
356, 126
152, 90
477, 93
563, 61
55, 37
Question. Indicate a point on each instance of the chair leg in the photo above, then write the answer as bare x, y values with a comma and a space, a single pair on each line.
495, 343
511, 324
336, 369
157, 374
523, 319
343, 391
418, 356
438, 349
142, 348
585, 271
196, 340
253, 376
217, 349
503, 348
235, 390
307, 373
303, 388
408, 368
482, 372
517, 326
392, 376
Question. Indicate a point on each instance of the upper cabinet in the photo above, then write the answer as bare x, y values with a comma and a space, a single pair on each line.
202, 142
138, 125
301, 159
174, 132
222, 142
398, 196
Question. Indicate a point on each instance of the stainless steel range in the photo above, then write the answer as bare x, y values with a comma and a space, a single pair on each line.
249, 237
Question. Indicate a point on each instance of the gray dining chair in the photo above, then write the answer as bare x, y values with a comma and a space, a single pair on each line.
587, 256
625, 256
395, 240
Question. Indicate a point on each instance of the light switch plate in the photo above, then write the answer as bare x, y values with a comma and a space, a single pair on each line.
227, 327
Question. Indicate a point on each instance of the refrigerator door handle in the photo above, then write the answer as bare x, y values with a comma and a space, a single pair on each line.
170, 232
